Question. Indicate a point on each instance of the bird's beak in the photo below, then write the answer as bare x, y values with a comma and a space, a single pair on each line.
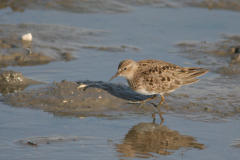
117, 74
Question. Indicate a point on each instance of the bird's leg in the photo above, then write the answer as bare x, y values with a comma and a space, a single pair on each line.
159, 110
142, 102
161, 101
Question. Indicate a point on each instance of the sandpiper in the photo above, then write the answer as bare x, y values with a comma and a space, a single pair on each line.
152, 77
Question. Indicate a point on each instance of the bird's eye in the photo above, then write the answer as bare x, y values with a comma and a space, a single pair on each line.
125, 68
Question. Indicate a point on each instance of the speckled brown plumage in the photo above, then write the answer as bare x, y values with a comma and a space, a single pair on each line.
151, 77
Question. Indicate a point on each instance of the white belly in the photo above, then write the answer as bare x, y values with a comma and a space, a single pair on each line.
143, 91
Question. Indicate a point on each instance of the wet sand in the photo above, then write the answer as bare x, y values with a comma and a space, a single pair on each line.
12, 81
75, 50
91, 98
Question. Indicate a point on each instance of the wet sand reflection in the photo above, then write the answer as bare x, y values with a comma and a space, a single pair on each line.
144, 139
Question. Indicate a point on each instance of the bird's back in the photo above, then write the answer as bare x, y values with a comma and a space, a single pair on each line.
158, 77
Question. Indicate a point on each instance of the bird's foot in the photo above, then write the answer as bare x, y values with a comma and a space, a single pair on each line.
141, 102
133, 102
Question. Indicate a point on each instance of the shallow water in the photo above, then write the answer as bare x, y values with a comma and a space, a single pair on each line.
100, 137
99, 42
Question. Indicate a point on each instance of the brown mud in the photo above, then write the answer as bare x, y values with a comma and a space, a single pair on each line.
75, 6
232, 5
222, 57
12, 81
113, 6
84, 98
114, 48
48, 45
236, 144
14, 51
103, 99
39, 141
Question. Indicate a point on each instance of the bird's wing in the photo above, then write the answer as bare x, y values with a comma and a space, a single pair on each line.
164, 77
160, 78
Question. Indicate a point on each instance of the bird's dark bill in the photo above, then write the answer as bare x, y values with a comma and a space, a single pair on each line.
117, 74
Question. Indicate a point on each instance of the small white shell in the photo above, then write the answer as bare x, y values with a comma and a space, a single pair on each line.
81, 86
27, 37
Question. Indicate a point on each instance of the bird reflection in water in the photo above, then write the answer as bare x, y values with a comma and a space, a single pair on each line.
144, 139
